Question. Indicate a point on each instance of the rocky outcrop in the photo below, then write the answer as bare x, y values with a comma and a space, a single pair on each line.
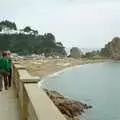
70, 108
75, 52
112, 49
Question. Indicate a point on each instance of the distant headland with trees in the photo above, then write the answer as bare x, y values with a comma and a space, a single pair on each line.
28, 41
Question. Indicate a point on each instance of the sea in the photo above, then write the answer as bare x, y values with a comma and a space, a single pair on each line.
96, 84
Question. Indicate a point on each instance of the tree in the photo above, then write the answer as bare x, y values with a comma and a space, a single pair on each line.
59, 44
0, 29
27, 29
8, 25
49, 36
35, 32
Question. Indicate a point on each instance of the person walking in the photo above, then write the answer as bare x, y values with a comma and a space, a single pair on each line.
7, 55
4, 71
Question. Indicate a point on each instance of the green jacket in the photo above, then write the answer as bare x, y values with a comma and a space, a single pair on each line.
4, 65
9, 63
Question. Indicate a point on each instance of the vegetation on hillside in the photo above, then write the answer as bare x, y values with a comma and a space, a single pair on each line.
112, 49
95, 54
7, 25
28, 41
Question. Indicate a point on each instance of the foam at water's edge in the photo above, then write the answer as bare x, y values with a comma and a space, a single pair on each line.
59, 72
56, 74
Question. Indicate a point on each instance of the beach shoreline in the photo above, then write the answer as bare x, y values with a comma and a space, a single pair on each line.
49, 68
56, 73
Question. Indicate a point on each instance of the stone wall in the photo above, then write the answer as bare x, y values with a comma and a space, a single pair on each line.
34, 103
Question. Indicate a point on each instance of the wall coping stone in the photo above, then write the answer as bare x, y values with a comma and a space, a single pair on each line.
43, 106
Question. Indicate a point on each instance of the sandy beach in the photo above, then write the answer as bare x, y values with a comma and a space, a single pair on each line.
49, 66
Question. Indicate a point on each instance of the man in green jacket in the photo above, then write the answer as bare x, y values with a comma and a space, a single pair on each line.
4, 70
7, 55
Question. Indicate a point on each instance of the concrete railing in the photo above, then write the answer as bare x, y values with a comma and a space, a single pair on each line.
34, 103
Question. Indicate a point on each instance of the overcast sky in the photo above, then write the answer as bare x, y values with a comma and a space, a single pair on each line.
82, 23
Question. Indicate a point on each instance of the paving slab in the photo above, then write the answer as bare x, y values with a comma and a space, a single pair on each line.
9, 107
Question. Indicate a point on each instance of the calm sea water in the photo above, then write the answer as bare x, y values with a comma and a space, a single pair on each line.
95, 84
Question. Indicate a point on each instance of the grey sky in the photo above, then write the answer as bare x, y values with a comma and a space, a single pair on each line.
82, 23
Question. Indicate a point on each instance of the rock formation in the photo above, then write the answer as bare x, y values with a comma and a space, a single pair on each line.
112, 49
70, 108
75, 52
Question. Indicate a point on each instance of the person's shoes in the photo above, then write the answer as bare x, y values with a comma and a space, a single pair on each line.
0, 90
6, 88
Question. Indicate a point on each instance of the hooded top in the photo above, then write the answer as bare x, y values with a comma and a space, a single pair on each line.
7, 54
4, 65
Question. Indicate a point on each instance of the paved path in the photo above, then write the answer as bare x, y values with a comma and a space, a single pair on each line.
9, 109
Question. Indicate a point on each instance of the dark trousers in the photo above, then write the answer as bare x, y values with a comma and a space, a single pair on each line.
1, 77
9, 78
3, 74
5, 82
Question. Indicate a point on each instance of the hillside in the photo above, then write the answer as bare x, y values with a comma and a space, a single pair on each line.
28, 41
112, 49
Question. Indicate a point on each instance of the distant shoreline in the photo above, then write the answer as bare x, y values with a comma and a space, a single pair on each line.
56, 73
51, 67
69, 68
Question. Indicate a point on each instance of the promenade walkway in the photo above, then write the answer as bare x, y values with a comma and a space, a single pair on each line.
32, 102
9, 109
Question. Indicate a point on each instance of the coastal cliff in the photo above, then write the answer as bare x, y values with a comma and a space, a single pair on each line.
71, 109
112, 49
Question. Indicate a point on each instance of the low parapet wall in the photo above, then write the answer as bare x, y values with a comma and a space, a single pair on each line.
34, 103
